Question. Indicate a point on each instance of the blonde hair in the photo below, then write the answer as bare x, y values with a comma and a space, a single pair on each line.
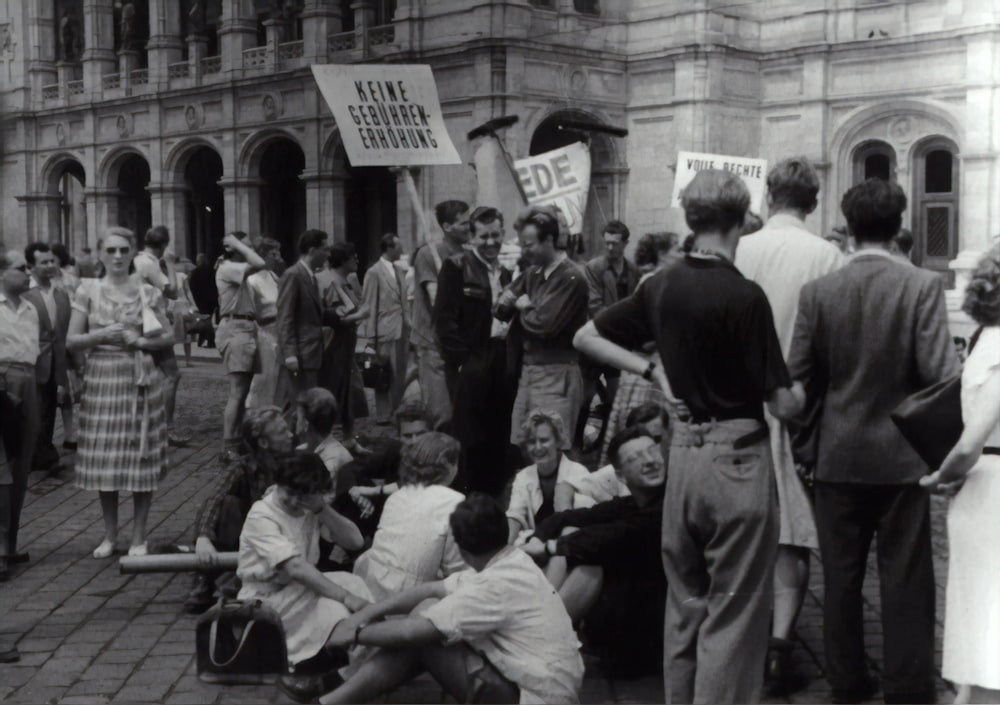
538, 417
119, 231
428, 460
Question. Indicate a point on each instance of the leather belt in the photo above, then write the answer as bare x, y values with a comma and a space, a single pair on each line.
237, 316
991, 451
266, 321
751, 438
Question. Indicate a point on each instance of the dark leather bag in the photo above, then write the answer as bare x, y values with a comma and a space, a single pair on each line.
931, 419
241, 642
376, 369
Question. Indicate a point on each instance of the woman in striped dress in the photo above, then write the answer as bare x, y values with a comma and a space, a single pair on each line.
123, 434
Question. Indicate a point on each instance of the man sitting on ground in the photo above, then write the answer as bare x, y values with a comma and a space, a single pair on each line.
607, 483
497, 633
605, 560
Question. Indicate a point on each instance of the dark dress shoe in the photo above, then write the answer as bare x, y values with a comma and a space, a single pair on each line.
9, 655
69, 445
864, 691
18, 558
781, 677
301, 689
202, 595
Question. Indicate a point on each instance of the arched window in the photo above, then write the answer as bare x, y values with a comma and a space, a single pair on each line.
876, 160
935, 203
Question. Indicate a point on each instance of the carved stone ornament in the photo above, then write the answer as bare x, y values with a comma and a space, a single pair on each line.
576, 82
191, 117
122, 126
60, 134
271, 106
901, 129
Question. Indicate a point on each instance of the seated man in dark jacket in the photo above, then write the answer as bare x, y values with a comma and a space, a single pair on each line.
605, 560
265, 435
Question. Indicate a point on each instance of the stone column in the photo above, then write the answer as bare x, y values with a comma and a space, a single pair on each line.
165, 45
275, 30
338, 204
167, 208
237, 31
319, 20
99, 41
197, 50
242, 199
320, 203
65, 73
128, 61
102, 210
40, 48
364, 17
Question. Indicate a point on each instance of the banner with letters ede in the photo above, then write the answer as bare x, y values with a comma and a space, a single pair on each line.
388, 114
559, 178
752, 171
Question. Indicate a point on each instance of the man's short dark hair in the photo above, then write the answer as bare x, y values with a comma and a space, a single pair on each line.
320, 407
387, 241
904, 241
230, 253
617, 227
874, 210
31, 249
715, 200
644, 413
311, 239
793, 183
157, 237
87, 250
447, 212
547, 226
485, 215
652, 246
268, 245
341, 252
303, 471
479, 525
629, 433
60, 251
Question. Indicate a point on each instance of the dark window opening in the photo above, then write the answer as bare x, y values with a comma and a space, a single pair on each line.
878, 166
937, 172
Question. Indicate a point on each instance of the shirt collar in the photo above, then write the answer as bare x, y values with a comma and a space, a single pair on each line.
490, 267
560, 258
20, 309
787, 220
877, 251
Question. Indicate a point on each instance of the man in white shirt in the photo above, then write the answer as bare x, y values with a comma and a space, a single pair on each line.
19, 348
783, 257
147, 269
497, 633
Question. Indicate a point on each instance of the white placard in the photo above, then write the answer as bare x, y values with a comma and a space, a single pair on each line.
388, 114
559, 178
752, 171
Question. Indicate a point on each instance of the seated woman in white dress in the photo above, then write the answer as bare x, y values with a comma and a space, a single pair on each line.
279, 548
972, 616
413, 543
549, 485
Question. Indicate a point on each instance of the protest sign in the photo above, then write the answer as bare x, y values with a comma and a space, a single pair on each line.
752, 171
388, 114
558, 178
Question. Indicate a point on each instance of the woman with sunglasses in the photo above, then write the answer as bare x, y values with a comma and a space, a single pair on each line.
123, 433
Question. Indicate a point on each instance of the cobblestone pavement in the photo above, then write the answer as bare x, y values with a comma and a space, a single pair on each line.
90, 636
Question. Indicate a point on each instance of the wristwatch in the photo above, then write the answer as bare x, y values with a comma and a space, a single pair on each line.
648, 374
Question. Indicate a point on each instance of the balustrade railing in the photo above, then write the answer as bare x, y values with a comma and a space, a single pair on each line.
211, 64
255, 57
181, 69
111, 81
139, 77
50, 92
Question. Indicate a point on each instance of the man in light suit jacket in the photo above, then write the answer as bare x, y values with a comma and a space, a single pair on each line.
300, 320
385, 296
51, 368
866, 337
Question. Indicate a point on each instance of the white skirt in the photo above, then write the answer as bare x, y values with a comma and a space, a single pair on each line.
972, 604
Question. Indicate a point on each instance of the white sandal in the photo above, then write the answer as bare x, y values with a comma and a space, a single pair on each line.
105, 550
138, 551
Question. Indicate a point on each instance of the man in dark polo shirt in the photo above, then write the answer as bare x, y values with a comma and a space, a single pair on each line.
722, 359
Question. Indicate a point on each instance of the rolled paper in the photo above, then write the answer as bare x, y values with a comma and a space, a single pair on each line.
175, 563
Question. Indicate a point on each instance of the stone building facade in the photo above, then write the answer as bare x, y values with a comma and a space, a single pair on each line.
204, 115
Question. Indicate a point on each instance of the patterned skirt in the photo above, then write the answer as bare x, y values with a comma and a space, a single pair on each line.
115, 415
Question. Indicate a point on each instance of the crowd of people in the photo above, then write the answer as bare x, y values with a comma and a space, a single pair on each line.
752, 369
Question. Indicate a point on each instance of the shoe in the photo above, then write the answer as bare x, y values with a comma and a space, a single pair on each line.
11, 655
865, 691
69, 445
202, 595
178, 439
781, 678
18, 558
105, 550
139, 550
301, 689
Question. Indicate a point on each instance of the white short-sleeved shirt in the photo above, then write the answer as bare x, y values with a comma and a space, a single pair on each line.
264, 288
413, 543
228, 279
334, 456
511, 614
526, 493
147, 268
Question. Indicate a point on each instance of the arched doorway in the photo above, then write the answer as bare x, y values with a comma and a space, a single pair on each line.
135, 210
370, 210
604, 176
204, 206
282, 194
874, 159
68, 181
935, 203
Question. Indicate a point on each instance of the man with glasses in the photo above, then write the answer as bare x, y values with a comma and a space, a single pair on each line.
474, 348
19, 349
550, 305
609, 569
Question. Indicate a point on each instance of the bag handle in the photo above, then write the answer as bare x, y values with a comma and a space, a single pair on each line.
213, 636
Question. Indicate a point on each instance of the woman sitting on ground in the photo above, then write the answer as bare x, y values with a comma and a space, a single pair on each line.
413, 543
279, 549
548, 486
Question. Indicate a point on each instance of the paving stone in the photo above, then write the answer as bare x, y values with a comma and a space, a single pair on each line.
16, 675
40, 693
85, 700
105, 686
108, 671
151, 693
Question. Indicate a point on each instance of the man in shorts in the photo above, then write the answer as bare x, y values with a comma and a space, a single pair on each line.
496, 633
236, 337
